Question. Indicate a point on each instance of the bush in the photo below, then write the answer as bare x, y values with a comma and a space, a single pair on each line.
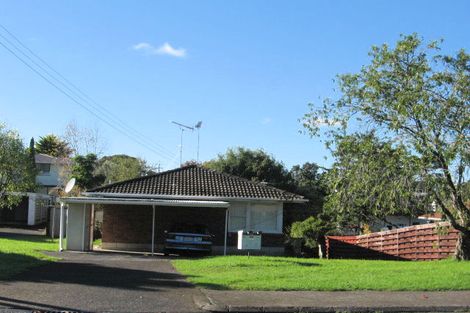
307, 236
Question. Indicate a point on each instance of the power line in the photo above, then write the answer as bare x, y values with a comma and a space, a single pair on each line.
83, 96
96, 105
78, 102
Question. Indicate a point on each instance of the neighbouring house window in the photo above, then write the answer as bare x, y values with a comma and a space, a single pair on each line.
43, 168
237, 217
256, 217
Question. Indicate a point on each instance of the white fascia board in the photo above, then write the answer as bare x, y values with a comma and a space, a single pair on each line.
157, 202
29, 194
208, 198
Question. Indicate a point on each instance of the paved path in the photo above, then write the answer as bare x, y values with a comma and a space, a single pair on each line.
6, 231
338, 301
96, 282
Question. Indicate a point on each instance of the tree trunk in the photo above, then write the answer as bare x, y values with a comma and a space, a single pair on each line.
462, 250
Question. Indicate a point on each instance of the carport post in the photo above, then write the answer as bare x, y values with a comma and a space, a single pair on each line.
226, 229
153, 229
61, 226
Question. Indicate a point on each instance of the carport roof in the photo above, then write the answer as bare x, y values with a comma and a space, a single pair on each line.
194, 182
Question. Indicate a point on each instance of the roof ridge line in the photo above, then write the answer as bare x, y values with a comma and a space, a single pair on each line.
260, 184
140, 178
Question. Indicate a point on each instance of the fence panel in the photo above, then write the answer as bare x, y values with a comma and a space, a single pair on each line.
420, 242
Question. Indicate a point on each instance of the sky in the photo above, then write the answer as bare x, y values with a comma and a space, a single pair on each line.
246, 69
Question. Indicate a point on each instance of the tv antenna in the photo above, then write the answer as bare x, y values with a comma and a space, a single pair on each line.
182, 128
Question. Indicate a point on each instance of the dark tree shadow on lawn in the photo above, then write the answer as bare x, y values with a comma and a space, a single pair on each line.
132, 273
12, 264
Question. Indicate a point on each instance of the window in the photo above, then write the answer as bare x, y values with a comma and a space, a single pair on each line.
256, 217
43, 168
264, 218
237, 217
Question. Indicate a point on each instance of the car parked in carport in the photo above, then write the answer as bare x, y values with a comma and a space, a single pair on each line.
188, 238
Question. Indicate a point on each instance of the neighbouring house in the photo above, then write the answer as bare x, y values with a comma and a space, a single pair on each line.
50, 170
393, 222
400, 221
136, 212
33, 206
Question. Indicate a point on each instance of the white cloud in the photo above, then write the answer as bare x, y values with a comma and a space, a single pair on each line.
266, 120
165, 49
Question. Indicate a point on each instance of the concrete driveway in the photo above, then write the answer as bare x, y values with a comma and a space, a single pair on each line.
97, 282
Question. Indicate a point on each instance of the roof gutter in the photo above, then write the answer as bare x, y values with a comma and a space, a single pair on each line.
197, 198
157, 202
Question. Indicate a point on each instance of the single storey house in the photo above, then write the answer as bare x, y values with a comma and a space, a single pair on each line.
137, 212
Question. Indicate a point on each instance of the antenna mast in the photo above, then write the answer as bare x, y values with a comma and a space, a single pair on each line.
182, 128
198, 127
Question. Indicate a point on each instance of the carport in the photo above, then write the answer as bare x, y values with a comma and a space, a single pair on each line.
80, 217
137, 212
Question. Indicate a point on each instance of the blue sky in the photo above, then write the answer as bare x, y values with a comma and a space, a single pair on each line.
247, 69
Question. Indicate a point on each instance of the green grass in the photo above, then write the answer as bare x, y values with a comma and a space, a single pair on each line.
280, 273
97, 242
20, 253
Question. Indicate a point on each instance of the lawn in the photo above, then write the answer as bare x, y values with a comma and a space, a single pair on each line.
281, 273
19, 253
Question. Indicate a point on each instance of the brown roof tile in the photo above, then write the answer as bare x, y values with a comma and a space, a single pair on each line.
196, 181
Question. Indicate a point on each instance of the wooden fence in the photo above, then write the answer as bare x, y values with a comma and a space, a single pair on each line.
420, 242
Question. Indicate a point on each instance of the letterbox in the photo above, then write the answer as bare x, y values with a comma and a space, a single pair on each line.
249, 240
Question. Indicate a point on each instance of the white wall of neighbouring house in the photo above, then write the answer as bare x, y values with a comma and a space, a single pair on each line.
37, 208
48, 178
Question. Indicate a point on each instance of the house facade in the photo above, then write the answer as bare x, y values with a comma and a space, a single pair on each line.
137, 212
50, 170
33, 207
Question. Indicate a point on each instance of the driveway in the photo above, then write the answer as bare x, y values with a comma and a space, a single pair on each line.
95, 282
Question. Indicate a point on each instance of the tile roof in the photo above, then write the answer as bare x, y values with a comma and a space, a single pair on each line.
196, 181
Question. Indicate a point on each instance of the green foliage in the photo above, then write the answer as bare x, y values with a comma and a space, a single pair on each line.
372, 178
280, 273
53, 146
32, 171
16, 174
310, 232
122, 167
308, 180
255, 165
83, 170
418, 101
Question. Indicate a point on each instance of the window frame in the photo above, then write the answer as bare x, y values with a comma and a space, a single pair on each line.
250, 207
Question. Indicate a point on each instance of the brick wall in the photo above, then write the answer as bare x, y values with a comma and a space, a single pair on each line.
133, 224
127, 224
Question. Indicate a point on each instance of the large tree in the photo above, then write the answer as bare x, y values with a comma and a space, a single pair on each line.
83, 169
371, 179
84, 140
418, 101
54, 146
121, 167
16, 173
255, 165
307, 180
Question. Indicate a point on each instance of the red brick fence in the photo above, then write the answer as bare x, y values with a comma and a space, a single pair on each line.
420, 242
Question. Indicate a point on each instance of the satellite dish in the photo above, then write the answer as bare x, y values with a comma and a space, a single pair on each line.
69, 185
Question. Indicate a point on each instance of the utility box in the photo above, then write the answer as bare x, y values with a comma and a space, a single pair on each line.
249, 240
